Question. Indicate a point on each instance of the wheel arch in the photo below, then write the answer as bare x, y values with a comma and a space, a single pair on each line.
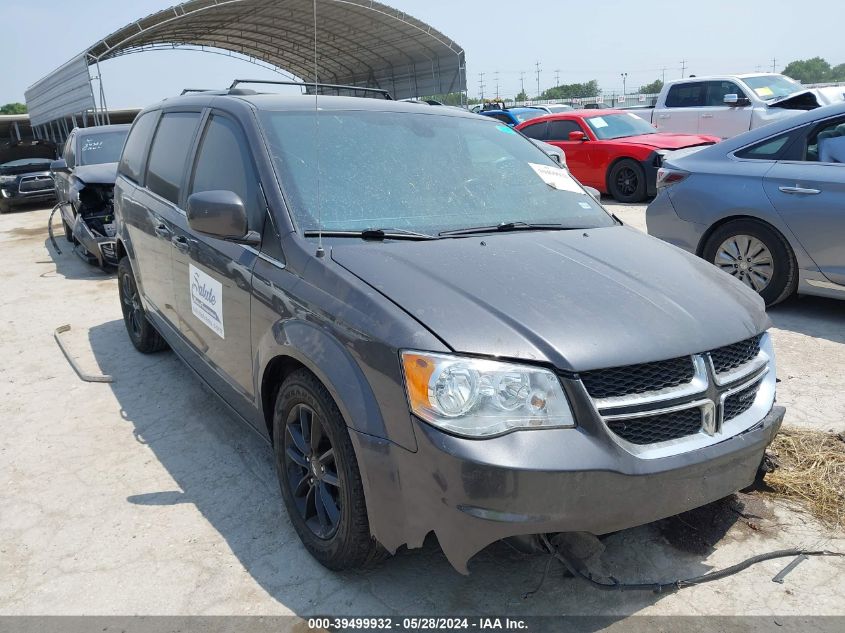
615, 161
705, 237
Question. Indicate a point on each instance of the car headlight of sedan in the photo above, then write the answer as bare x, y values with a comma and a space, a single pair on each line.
481, 398
7, 180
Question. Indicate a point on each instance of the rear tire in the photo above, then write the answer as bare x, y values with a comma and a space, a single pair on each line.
319, 476
626, 181
756, 254
141, 332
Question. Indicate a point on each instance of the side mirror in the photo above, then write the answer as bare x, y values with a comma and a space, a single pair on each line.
220, 214
59, 166
735, 100
578, 137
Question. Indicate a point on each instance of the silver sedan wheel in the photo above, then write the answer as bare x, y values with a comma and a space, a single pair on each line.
748, 259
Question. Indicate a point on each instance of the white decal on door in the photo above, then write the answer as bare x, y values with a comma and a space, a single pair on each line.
207, 300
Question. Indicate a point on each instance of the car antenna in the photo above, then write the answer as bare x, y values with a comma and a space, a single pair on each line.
320, 252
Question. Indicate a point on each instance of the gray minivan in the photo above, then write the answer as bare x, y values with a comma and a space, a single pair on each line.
433, 324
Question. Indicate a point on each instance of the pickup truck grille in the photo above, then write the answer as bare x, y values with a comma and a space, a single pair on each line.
732, 356
35, 183
658, 428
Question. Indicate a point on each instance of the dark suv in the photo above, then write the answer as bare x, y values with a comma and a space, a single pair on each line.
433, 324
24, 181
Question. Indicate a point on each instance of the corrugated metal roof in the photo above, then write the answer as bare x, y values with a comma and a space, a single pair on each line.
360, 42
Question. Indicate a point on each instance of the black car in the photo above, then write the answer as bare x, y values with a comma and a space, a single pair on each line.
434, 325
85, 185
23, 181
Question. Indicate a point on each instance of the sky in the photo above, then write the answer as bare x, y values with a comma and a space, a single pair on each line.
574, 40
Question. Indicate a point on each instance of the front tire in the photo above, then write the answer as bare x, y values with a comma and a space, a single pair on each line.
757, 255
141, 332
626, 181
319, 476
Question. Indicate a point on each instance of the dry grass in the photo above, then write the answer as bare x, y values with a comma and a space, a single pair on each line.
811, 470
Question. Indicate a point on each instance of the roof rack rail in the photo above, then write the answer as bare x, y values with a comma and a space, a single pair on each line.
187, 90
306, 84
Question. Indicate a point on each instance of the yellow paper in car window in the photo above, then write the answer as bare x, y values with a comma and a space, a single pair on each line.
764, 93
556, 177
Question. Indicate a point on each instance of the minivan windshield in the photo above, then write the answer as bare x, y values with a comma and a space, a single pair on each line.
769, 87
104, 147
427, 173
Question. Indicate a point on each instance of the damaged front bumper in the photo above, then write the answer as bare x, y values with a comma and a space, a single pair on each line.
472, 493
93, 246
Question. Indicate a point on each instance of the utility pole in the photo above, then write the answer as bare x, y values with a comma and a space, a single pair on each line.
538, 78
557, 78
683, 68
497, 85
774, 64
481, 85
624, 83
522, 81
664, 76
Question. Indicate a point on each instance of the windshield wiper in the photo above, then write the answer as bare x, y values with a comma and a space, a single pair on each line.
375, 234
504, 227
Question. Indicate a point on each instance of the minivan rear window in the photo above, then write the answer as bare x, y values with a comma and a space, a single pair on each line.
169, 153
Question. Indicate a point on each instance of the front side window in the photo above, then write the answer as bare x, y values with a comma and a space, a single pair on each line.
169, 153
689, 95
826, 143
419, 172
610, 126
100, 148
224, 163
716, 91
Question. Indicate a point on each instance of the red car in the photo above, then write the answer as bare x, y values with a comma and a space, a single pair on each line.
614, 151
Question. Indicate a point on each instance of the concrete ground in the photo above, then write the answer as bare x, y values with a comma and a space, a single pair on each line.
144, 496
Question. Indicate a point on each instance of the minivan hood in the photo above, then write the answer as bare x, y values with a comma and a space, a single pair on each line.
102, 174
580, 299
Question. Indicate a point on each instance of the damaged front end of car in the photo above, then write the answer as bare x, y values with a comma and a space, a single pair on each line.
88, 219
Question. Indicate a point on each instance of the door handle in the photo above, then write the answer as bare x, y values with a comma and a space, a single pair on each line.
162, 231
800, 191
706, 116
662, 116
182, 243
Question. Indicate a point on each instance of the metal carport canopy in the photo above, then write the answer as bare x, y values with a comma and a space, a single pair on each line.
360, 42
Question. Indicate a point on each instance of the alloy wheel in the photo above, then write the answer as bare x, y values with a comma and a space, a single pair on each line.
748, 259
132, 304
627, 181
311, 471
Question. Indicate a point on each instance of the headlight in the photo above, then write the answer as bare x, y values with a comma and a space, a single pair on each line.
481, 398
7, 180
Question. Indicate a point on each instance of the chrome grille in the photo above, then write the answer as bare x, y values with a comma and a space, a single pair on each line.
658, 428
738, 403
732, 356
634, 379
35, 183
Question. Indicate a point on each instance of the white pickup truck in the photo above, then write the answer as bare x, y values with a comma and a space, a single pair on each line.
728, 105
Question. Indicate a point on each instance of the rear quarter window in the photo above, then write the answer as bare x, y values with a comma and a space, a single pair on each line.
132, 159
537, 131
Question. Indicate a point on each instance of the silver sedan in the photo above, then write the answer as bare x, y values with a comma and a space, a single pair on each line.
767, 206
